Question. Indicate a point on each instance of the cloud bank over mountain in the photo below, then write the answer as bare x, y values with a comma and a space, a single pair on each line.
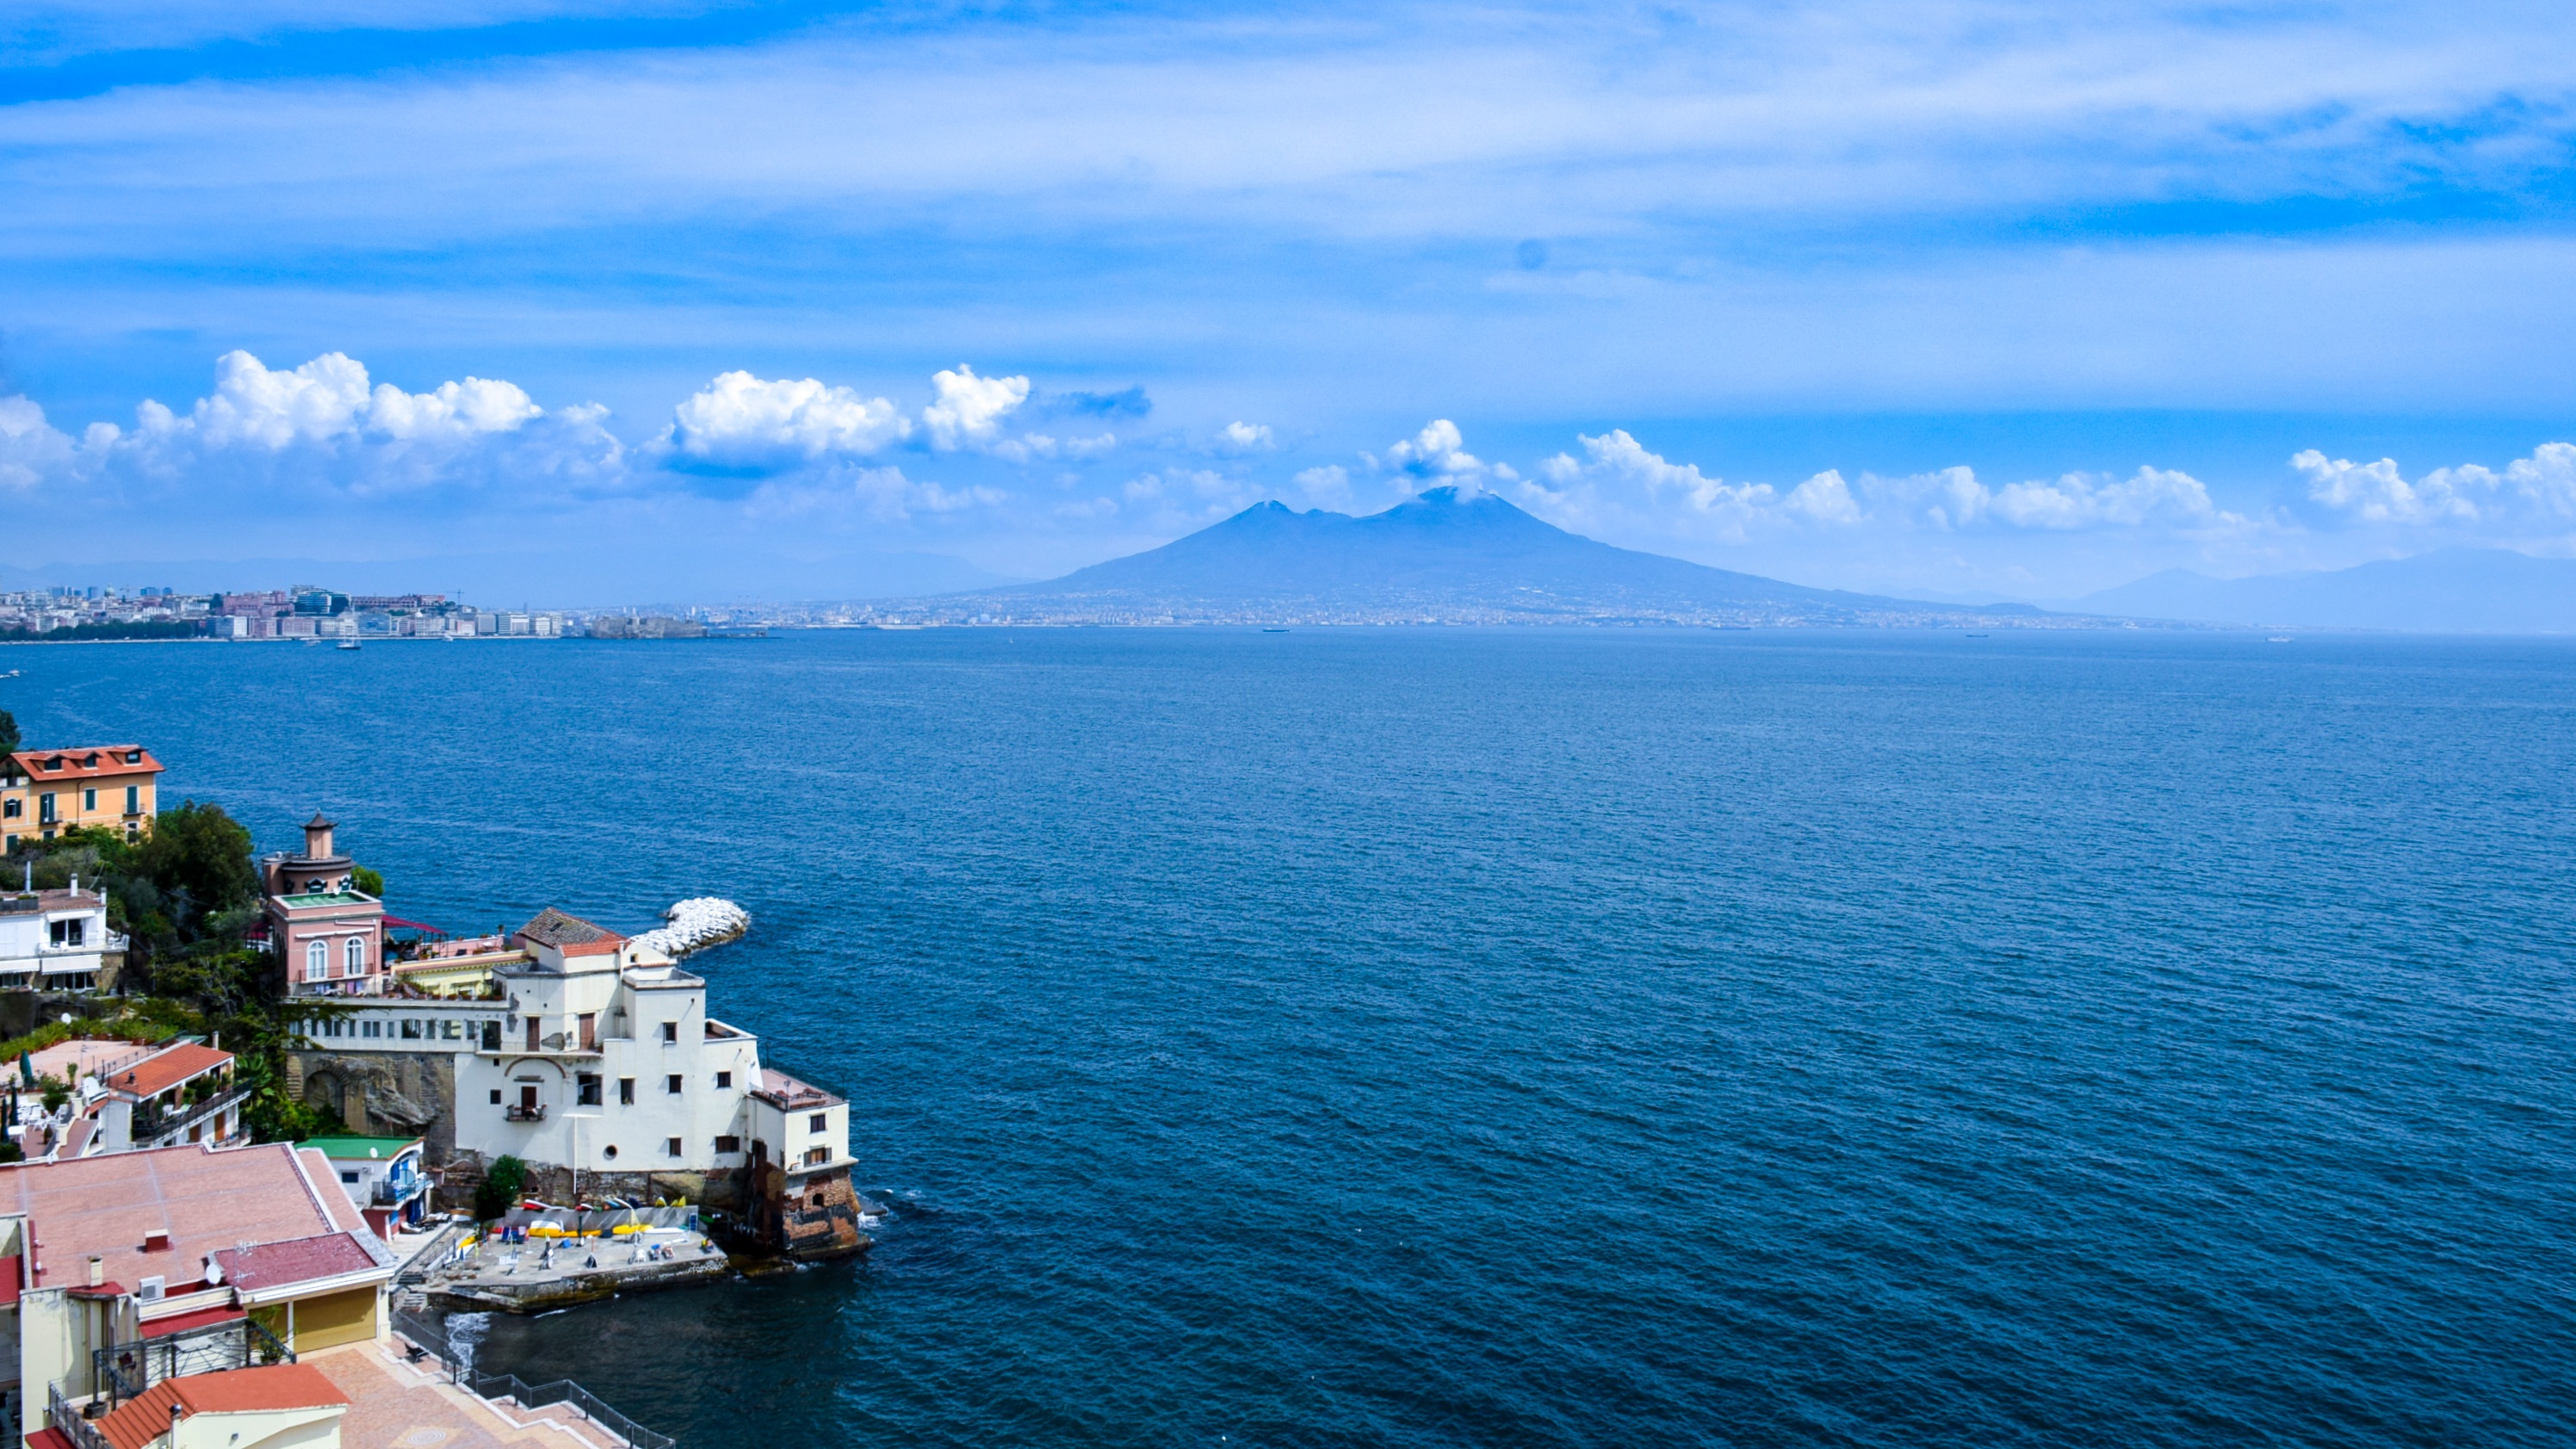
961, 469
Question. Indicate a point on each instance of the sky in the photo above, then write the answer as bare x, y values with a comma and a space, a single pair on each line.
577, 302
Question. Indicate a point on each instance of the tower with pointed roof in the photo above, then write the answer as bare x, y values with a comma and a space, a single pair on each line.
329, 936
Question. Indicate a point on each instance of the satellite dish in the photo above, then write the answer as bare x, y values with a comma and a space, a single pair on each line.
67, 1018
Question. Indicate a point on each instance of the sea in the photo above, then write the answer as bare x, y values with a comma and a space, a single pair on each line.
1459, 1037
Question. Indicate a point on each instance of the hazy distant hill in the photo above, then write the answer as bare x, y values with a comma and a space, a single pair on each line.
2460, 590
1439, 556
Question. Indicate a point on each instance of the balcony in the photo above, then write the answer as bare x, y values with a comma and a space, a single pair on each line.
172, 1123
536, 1113
394, 1192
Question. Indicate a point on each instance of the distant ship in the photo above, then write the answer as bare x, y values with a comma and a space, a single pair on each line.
348, 643
1268, 630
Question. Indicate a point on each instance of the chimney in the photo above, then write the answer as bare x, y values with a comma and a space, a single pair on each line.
97, 1270
157, 1241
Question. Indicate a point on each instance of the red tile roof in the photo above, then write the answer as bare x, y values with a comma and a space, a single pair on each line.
146, 1417
299, 1260
163, 1070
90, 762
784, 1091
205, 1199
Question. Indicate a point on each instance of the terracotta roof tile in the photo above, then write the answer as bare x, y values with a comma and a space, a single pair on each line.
90, 762
164, 1070
570, 934
146, 1417
299, 1260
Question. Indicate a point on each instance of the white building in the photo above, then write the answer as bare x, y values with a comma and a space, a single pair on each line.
55, 940
608, 1061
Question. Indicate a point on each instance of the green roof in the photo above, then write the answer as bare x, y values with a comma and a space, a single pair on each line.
329, 898
359, 1147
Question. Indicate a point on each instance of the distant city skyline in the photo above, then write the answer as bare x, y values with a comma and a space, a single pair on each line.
826, 302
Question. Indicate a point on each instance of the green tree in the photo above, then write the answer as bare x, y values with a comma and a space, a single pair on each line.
368, 882
499, 1191
199, 859
8, 732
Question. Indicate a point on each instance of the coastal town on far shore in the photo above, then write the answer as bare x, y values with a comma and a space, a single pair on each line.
206, 1246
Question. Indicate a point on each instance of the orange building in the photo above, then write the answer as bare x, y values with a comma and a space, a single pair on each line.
46, 792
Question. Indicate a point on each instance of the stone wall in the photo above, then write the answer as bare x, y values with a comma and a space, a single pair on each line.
549, 1183
382, 1094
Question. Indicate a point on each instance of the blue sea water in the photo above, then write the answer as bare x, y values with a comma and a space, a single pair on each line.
1450, 1037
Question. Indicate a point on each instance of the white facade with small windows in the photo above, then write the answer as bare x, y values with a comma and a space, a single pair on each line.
607, 1062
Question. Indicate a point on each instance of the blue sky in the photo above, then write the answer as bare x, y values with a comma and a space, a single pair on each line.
584, 302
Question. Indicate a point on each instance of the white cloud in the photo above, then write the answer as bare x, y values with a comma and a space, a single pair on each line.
1244, 438
2534, 494
31, 449
968, 410
1618, 484
1326, 487
328, 397
1953, 498
741, 420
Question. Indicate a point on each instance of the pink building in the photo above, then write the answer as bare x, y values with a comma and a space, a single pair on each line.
329, 936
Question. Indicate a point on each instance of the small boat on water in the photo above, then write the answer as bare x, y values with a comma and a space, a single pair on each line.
2280, 639
1267, 630
348, 643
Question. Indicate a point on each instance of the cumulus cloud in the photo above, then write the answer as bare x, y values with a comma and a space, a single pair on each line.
1618, 484
883, 495
967, 410
1954, 498
1243, 438
2534, 494
321, 427
740, 420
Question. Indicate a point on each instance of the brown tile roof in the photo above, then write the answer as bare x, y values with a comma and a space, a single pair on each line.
206, 1200
146, 1417
570, 934
162, 1071
90, 762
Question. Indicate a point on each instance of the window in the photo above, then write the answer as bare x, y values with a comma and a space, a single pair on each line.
68, 933
674, 1080
353, 957
375, 1028
817, 1156
133, 799
348, 1177
45, 809
609, 1152
410, 1029
724, 1080
728, 1144
496, 1096
13, 809
317, 961
89, 799
586, 1088
451, 1031
819, 1122
626, 1091
133, 757
671, 1146
670, 1031
491, 1036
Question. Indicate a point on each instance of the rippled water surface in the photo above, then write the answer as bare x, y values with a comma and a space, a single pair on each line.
1447, 1037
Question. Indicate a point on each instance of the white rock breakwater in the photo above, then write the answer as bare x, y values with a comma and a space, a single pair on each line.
696, 924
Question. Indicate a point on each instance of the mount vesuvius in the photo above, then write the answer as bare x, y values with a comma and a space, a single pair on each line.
1447, 556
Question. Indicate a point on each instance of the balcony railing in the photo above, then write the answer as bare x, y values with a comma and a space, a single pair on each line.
125, 1370
393, 1192
152, 1126
429, 1340
536, 1113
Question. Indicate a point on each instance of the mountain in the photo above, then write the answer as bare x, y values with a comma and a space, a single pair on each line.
1446, 556
2457, 590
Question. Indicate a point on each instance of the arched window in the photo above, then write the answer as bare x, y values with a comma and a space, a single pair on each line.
354, 957
317, 960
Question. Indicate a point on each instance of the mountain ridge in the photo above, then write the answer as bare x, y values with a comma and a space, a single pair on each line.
2453, 590
1445, 555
